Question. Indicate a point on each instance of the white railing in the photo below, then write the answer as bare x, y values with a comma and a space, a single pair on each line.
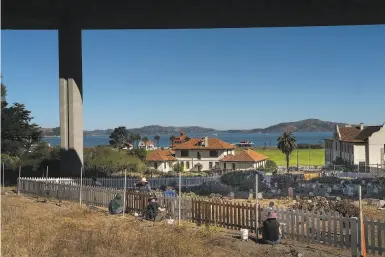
119, 181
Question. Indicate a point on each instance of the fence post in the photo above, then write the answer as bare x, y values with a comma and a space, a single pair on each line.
125, 191
81, 185
180, 195
354, 234
3, 175
256, 206
18, 182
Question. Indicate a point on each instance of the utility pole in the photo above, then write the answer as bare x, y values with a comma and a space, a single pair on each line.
297, 160
309, 158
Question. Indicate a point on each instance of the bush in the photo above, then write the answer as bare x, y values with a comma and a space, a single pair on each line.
284, 181
212, 187
243, 180
270, 166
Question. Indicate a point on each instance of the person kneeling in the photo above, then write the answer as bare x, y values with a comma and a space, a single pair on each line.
271, 231
116, 205
153, 210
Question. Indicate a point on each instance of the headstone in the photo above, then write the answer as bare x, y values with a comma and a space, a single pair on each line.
382, 203
279, 191
290, 192
231, 195
298, 197
375, 190
328, 190
338, 198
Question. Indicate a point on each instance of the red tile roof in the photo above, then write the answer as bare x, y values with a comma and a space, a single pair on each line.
213, 144
161, 155
349, 134
245, 156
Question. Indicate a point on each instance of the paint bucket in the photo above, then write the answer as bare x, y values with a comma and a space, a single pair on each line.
244, 234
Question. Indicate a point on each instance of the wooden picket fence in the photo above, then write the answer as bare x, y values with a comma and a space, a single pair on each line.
323, 228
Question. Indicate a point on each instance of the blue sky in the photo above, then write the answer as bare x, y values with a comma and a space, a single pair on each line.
225, 78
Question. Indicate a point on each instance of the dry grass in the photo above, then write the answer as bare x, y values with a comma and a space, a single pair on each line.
33, 227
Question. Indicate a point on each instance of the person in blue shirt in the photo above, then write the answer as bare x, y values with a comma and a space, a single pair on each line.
170, 192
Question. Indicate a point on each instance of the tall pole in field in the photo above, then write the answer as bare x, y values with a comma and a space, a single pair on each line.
125, 191
256, 207
46, 173
297, 160
179, 197
81, 185
362, 229
309, 157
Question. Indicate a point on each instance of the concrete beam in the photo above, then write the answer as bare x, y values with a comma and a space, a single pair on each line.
71, 99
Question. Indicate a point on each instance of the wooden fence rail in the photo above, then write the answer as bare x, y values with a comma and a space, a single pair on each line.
324, 228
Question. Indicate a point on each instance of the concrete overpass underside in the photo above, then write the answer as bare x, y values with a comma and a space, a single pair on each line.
70, 17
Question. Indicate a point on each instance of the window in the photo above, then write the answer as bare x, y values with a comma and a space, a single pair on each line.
187, 165
165, 164
155, 165
181, 163
214, 153
224, 166
233, 166
217, 164
199, 155
210, 165
184, 153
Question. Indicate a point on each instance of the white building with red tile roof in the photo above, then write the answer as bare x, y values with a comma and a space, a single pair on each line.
203, 154
161, 160
244, 160
149, 145
358, 145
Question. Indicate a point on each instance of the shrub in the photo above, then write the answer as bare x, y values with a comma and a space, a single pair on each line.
270, 166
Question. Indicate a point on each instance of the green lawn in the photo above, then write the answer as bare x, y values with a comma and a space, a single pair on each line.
317, 156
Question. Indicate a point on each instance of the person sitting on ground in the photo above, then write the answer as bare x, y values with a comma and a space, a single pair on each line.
271, 230
116, 205
153, 210
143, 186
169, 192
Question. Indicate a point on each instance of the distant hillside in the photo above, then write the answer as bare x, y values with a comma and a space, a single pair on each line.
152, 130
309, 125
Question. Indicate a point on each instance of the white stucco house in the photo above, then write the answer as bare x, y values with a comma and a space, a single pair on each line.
161, 160
244, 160
359, 145
149, 145
202, 154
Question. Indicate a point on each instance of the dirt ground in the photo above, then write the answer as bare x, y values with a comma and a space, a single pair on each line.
41, 227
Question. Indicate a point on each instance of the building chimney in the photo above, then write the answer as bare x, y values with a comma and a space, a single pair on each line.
361, 126
206, 141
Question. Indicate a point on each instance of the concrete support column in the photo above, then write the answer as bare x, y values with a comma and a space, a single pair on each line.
71, 99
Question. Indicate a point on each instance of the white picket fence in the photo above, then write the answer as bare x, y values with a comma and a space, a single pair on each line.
118, 182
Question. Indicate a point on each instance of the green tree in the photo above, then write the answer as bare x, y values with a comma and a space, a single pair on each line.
140, 153
178, 167
132, 139
172, 138
157, 139
119, 137
270, 166
187, 139
145, 140
287, 143
138, 138
18, 133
